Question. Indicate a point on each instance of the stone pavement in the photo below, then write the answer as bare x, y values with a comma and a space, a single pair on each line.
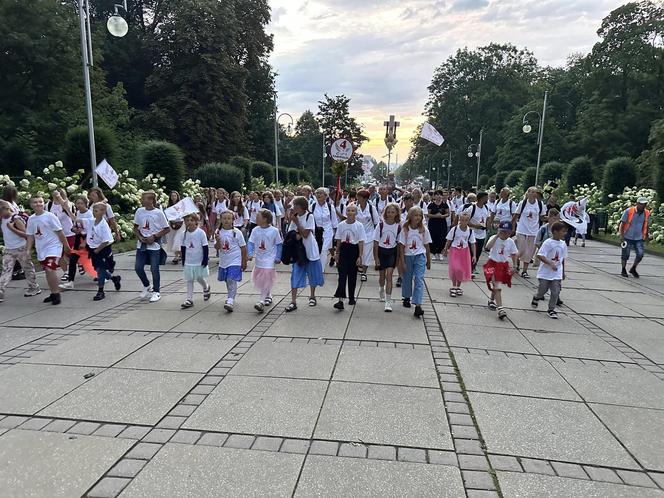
134, 399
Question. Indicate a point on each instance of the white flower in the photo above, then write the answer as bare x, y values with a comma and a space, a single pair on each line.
52, 186
24, 183
58, 164
27, 173
51, 167
72, 188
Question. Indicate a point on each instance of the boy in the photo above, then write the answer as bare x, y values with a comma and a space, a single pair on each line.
150, 225
44, 231
13, 233
99, 240
551, 271
497, 271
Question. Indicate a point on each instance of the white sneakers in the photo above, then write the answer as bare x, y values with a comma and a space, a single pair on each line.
146, 292
388, 306
381, 294
155, 297
66, 285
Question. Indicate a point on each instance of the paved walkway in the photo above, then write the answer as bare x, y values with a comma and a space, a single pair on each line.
141, 400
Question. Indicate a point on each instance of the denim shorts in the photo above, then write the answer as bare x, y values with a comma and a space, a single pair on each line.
637, 245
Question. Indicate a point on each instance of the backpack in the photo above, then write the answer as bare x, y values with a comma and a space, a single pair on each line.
380, 229
454, 232
540, 204
472, 213
312, 207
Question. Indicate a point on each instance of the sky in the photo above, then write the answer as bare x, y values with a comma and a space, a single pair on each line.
383, 53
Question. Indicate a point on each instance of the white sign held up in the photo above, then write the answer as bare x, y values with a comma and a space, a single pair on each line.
181, 209
107, 173
341, 150
431, 134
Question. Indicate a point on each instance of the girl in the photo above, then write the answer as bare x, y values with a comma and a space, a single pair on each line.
232, 251
368, 216
240, 213
281, 210
461, 249
325, 217
414, 255
254, 205
386, 239
95, 194
195, 255
350, 245
311, 272
271, 205
99, 239
79, 218
217, 206
497, 270
266, 244
438, 213
173, 198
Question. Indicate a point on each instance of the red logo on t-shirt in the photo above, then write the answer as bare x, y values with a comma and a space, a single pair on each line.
39, 232
413, 245
226, 245
261, 246
191, 244
502, 251
347, 238
556, 257
387, 241
147, 225
530, 215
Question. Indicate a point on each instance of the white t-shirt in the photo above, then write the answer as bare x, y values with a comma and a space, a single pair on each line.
254, 207
380, 204
461, 238
529, 219
12, 241
150, 222
239, 218
193, 243
219, 206
230, 253
81, 219
491, 206
265, 241
325, 216
96, 235
555, 250
424, 207
63, 217
350, 233
310, 244
279, 204
109, 212
369, 218
390, 235
457, 203
479, 218
414, 241
502, 250
504, 210
44, 227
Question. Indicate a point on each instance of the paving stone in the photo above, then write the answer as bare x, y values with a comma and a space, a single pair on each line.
412, 455
454, 397
464, 431
468, 446
481, 493
636, 478
475, 479
127, 468
658, 478
143, 451
460, 419
537, 466
186, 437
240, 441
568, 470
213, 439
451, 387
108, 487
267, 443
159, 436
84, 428
35, 424
473, 462
59, 425
204, 390
132, 432
500, 462
600, 474
295, 446
443, 457
379, 452
171, 422
182, 410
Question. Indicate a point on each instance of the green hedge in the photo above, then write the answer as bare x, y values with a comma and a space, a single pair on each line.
220, 175
550, 171
579, 172
260, 169
158, 157
77, 148
528, 177
618, 174
513, 178
500, 179
244, 163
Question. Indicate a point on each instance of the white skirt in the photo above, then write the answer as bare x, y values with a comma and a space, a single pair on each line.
367, 255
328, 240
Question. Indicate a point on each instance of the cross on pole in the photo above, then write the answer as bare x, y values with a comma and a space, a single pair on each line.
390, 138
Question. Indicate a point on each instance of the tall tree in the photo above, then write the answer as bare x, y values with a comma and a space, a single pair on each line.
308, 141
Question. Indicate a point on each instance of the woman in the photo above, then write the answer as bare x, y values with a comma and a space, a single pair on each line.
367, 214
325, 217
173, 238
95, 194
438, 212
173, 198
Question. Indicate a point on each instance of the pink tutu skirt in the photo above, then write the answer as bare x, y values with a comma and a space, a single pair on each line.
459, 265
264, 278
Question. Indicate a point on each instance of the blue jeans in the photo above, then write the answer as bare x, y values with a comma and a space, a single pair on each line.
152, 258
637, 245
415, 267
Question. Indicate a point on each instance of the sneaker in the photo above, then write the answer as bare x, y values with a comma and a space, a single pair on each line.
66, 286
388, 306
534, 302
228, 306
398, 284
492, 305
634, 272
381, 295
583, 244
155, 297
32, 292
116, 282
553, 314
453, 292
524, 274
559, 303
146, 292
99, 296
502, 314
2, 296
418, 311
188, 303
352, 302
574, 241
363, 277
268, 301
56, 298
406, 303
259, 306
48, 299
339, 305
624, 273
81, 270
64, 277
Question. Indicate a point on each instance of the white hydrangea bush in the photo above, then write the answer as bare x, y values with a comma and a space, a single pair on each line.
619, 202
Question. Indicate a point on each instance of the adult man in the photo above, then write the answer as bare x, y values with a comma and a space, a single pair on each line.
531, 212
633, 231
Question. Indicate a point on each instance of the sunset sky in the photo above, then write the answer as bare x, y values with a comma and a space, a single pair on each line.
382, 53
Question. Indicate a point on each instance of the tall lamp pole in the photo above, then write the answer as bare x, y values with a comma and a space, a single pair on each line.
276, 136
322, 170
478, 154
117, 26
540, 133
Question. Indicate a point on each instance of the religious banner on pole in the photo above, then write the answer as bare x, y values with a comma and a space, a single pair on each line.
181, 209
431, 134
107, 173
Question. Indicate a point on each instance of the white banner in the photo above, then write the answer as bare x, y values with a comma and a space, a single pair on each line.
107, 173
431, 134
341, 150
574, 214
178, 211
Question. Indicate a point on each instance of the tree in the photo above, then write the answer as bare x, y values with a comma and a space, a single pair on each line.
220, 175
550, 171
243, 163
77, 148
308, 144
659, 175
514, 178
618, 174
528, 177
501, 176
579, 172
336, 122
260, 169
161, 158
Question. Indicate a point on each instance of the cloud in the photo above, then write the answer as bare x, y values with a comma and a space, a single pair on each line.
469, 4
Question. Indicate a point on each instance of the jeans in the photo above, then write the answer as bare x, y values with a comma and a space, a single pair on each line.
553, 286
103, 264
148, 257
415, 267
637, 245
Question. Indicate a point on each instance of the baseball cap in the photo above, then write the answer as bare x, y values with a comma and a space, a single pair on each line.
642, 200
505, 226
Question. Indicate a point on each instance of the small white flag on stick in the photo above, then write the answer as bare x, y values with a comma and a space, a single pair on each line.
181, 209
107, 173
431, 134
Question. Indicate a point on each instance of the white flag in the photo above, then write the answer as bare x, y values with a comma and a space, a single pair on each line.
107, 173
431, 134
181, 209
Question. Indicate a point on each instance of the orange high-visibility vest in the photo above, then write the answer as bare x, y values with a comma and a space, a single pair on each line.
630, 215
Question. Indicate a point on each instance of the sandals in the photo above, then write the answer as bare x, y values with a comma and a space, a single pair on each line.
268, 301
175, 261
312, 301
187, 304
291, 307
453, 292
363, 277
492, 305
207, 293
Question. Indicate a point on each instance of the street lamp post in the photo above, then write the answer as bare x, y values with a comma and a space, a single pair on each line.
322, 171
276, 136
540, 132
117, 26
478, 154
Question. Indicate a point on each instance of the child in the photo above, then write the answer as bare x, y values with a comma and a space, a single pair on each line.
497, 270
232, 251
386, 239
13, 234
414, 255
254, 205
44, 231
99, 239
350, 245
367, 214
195, 255
266, 244
551, 272
240, 213
461, 249
302, 222
78, 228
150, 225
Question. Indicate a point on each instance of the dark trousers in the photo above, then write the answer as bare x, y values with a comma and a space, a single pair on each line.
103, 263
479, 246
144, 257
347, 267
73, 258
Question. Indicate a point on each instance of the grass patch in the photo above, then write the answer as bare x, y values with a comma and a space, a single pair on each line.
650, 248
